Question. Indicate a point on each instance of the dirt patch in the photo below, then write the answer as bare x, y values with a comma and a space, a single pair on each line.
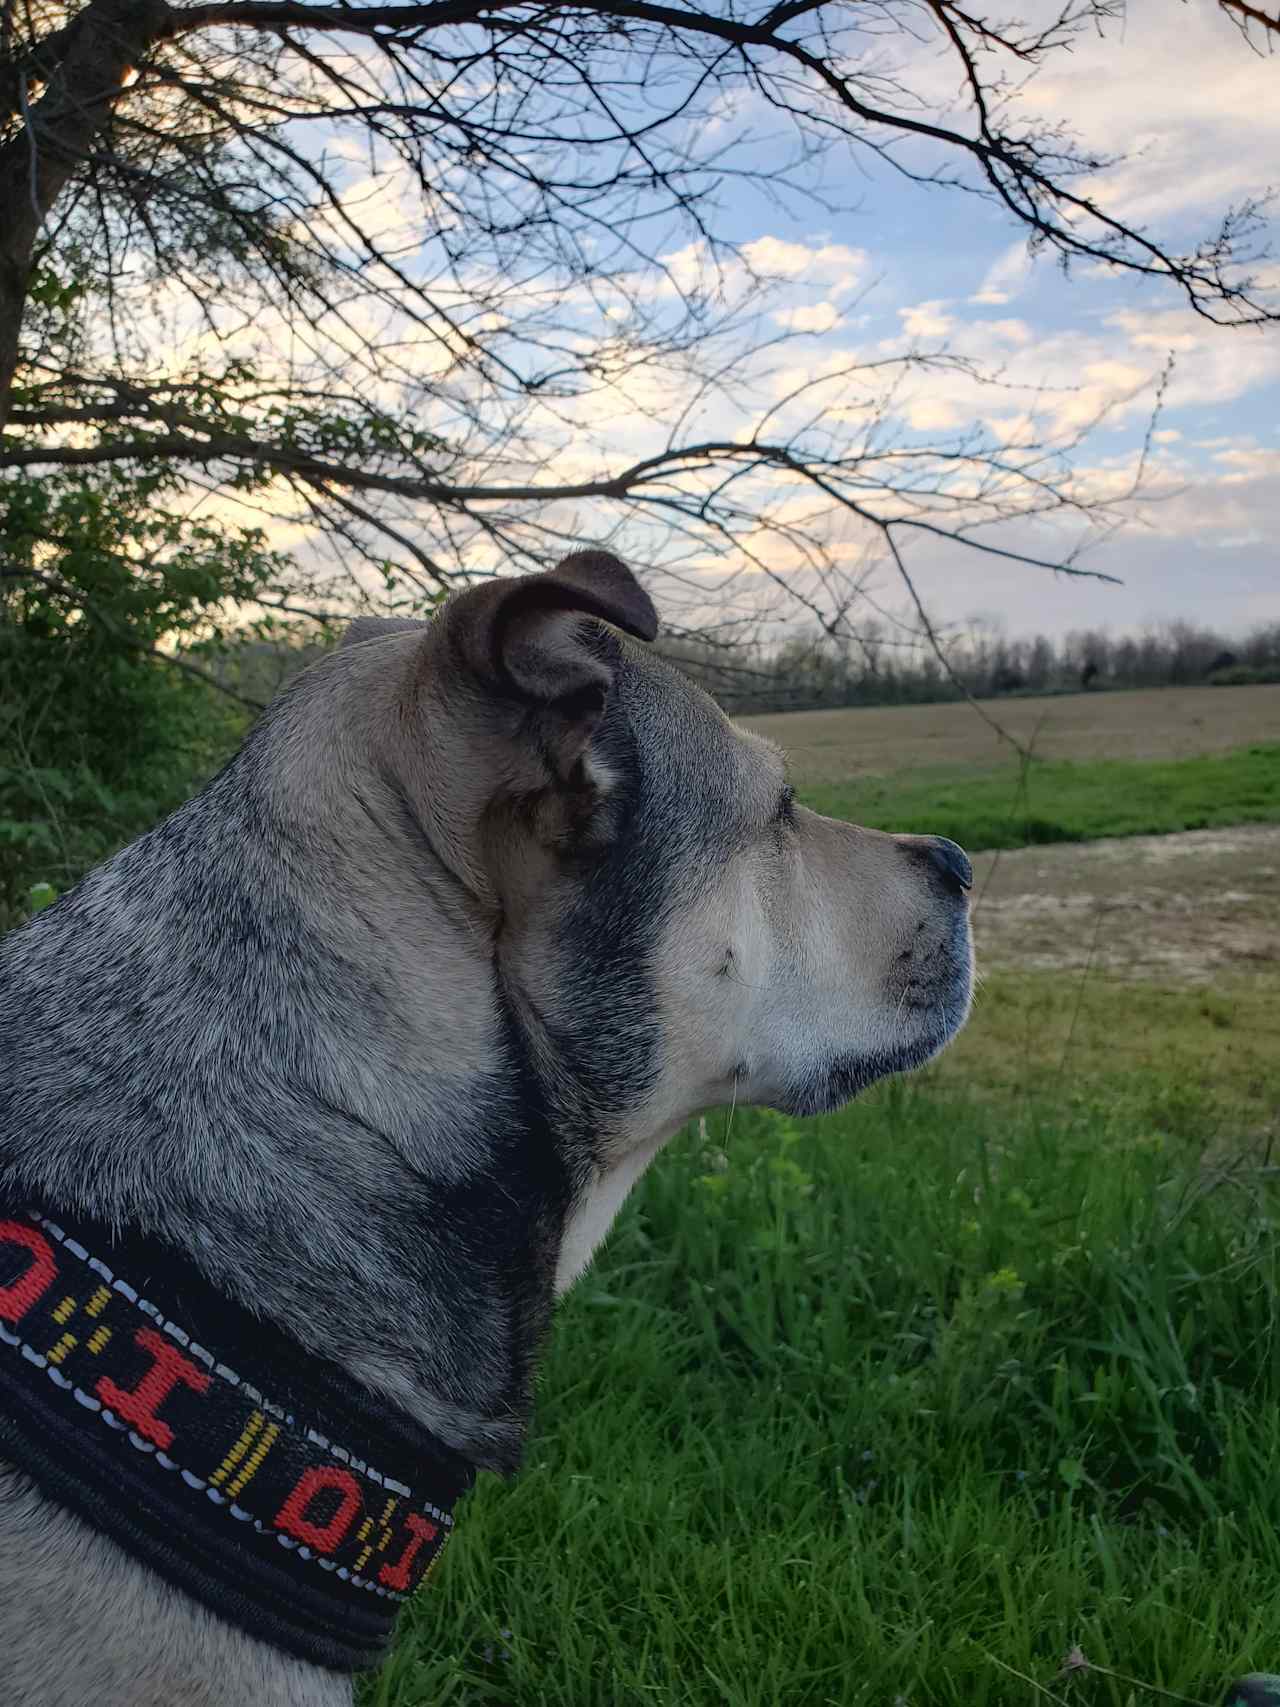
1188, 909
1159, 723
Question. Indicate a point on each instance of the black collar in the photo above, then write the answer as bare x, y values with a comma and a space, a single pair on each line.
209, 1444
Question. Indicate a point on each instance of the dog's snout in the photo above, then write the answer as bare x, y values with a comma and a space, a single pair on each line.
951, 860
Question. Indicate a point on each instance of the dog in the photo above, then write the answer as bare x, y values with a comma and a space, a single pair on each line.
315, 1097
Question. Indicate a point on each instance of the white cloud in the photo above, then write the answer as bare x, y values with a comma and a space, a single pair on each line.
925, 320
932, 415
1071, 376
808, 317
835, 266
1015, 332
1246, 463
1194, 112
828, 270
1005, 277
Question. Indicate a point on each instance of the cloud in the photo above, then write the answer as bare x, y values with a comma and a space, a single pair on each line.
808, 317
932, 415
838, 268
1193, 112
1199, 547
833, 268
925, 320
1246, 463
1069, 377
1005, 277
1014, 332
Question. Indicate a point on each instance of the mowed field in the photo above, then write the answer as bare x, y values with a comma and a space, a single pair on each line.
968, 1394
1157, 723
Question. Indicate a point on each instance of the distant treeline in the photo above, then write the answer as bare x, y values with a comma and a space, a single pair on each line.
879, 668
888, 667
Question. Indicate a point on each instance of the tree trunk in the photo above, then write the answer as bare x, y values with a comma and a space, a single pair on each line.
96, 53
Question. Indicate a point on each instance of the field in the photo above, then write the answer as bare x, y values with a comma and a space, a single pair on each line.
1157, 723
969, 1394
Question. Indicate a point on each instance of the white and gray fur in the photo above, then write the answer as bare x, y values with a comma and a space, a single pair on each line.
381, 1026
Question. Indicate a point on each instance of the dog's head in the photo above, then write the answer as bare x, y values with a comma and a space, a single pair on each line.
678, 930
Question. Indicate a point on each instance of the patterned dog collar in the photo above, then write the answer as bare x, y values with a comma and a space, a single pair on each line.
212, 1446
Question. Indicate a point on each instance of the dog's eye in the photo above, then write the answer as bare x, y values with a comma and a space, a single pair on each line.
786, 805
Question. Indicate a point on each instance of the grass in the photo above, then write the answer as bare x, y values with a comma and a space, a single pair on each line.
1200, 1062
902, 1405
1059, 800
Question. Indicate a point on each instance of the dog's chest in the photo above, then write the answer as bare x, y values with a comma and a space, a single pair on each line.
594, 1212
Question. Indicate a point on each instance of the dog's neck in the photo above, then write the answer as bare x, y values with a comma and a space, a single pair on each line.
346, 1133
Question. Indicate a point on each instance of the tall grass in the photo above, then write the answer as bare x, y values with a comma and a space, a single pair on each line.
898, 1405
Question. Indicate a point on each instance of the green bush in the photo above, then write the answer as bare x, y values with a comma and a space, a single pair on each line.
100, 731
93, 758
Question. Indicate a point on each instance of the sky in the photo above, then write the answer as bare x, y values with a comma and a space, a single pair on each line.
1196, 113
879, 265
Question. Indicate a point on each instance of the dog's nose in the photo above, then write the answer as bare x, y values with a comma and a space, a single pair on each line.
951, 860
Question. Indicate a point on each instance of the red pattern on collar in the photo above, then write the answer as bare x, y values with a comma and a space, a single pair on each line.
85, 1343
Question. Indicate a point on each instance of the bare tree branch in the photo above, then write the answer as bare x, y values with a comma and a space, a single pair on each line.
391, 275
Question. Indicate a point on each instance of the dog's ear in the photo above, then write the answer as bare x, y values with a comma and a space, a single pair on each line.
518, 634
523, 638
376, 627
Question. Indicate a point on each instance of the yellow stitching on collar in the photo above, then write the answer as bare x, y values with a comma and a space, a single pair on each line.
255, 1459
238, 1451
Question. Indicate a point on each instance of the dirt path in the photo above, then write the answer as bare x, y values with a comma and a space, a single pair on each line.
1186, 909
